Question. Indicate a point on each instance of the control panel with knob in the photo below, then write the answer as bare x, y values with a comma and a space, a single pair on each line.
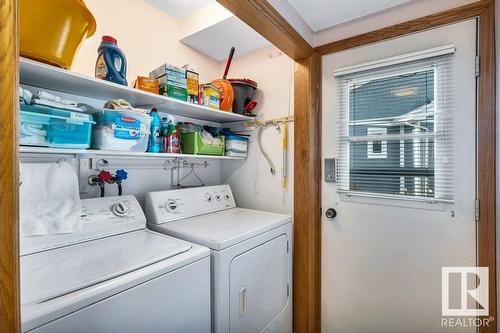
100, 217
167, 206
120, 209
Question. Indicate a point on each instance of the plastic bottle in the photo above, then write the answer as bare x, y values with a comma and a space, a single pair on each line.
164, 134
174, 144
111, 64
170, 138
154, 138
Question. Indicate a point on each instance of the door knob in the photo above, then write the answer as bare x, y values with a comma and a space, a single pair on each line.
330, 213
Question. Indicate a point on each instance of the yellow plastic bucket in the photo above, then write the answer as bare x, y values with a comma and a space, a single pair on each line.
52, 31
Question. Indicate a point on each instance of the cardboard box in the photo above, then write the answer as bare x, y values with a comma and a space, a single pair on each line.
168, 79
174, 92
193, 83
165, 69
147, 84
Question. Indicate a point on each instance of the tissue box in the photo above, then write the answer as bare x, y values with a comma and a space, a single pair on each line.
192, 143
236, 146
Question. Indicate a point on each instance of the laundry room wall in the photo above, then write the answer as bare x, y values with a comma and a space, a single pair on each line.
149, 37
252, 183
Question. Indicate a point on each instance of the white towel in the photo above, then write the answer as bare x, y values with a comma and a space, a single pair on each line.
49, 199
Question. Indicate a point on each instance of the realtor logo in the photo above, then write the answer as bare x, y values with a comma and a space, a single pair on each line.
472, 294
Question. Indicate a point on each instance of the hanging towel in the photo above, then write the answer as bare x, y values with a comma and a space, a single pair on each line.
49, 199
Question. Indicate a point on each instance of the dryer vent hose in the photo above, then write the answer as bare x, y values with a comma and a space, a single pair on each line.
266, 155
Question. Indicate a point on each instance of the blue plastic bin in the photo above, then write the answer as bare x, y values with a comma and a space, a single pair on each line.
56, 128
122, 130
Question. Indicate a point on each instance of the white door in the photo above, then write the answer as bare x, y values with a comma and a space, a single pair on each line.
405, 207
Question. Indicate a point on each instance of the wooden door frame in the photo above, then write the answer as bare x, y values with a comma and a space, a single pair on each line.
9, 183
263, 18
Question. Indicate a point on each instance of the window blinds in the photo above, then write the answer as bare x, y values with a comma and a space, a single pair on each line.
395, 129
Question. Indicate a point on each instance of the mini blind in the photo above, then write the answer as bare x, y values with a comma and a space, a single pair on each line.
395, 130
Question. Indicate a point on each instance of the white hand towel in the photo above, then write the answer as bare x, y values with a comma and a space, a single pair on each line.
49, 199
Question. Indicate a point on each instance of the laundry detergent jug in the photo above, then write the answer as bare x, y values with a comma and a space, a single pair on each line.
111, 64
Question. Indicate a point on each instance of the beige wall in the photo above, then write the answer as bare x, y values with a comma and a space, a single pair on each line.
147, 44
147, 36
251, 180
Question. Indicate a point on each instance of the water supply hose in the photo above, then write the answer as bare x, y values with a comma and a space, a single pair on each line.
266, 155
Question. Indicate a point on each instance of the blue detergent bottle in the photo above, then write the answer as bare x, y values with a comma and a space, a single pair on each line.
154, 137
111, 64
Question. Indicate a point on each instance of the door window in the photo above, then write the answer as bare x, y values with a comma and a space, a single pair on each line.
395, 131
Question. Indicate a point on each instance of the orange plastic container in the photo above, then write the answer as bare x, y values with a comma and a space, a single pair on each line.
227, 94
52, 31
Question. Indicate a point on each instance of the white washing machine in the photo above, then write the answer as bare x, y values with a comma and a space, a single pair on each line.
114, 276
251, 255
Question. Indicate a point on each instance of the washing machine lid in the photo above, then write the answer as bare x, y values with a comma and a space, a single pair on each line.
53, 273
222, 229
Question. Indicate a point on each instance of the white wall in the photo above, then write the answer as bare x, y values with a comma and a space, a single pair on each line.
251, 180
399, 14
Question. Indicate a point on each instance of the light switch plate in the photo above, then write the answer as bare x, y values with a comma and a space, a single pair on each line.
330, 176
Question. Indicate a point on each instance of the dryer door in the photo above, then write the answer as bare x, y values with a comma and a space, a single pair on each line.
259, 286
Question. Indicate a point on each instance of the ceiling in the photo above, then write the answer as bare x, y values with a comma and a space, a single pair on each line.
178, 8
322, 14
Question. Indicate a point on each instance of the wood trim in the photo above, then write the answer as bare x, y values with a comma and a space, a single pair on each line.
9, 182
307, 195
261, 16
486, 162
405, 28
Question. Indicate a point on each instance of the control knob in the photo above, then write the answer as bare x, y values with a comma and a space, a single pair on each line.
120, 209
171, 205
